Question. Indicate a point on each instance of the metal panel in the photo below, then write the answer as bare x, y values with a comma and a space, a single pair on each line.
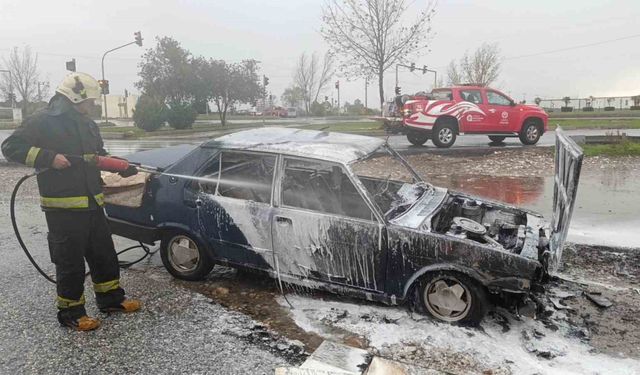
568, 163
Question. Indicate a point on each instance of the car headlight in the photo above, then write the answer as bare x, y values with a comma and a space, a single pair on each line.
406, 112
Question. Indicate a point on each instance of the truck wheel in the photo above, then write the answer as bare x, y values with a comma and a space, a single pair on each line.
444, 134
496, 138
453, 298
417, 138
531, 133
184, 257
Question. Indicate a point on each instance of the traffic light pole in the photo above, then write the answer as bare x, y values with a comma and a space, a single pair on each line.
104, 96
10, 86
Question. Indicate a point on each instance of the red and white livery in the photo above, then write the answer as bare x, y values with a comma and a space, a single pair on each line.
446, 113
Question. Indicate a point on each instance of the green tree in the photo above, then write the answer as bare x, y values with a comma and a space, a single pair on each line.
292, 96
166, 72
149, 114
229, 84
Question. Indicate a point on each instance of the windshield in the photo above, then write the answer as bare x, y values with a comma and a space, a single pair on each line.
393, 185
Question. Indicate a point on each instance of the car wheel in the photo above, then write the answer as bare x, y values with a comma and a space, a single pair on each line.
184, 257
417, 138
497, 138
530, 133
453, 298
444, 135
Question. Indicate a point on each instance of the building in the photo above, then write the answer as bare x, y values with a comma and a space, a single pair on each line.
119, 106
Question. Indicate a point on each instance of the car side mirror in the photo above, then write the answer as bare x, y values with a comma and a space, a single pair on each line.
512, 103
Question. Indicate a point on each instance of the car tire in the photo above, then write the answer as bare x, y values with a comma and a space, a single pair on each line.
497, 138
444, 134
417, 138
440, 291
184, 256
530, 133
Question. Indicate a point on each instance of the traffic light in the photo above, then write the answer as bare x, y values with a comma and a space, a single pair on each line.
71, 65
265, 81
397, 90
412, 67
424, 69
338, 85
138, 38
104, 85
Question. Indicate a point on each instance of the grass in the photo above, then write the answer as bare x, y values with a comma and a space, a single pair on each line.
624, 148
608, 123
616, 113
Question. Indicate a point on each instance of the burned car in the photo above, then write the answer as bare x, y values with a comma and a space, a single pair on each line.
315, 209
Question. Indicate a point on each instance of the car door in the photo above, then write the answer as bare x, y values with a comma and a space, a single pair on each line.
501, 117
473, 117
322, 227
233, 199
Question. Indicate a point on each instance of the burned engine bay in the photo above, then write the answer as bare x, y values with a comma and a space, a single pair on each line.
502, 227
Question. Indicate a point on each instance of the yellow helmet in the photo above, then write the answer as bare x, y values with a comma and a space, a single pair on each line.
79, 87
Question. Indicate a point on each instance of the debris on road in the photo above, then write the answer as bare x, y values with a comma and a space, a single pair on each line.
598, 300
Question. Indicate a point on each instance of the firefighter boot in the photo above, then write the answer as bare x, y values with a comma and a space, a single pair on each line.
83, 323
127, 306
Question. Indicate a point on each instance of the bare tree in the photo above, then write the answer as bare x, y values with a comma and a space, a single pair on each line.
370, 33
454, 76
312, 76
24, 76
481, 68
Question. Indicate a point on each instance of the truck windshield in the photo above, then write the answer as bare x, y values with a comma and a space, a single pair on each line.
393, 185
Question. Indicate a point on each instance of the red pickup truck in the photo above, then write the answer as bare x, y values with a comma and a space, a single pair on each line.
445, 113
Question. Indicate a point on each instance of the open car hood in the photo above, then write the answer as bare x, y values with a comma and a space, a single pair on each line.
568, 162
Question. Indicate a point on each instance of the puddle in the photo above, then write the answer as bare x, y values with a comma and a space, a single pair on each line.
606, 211
256, 296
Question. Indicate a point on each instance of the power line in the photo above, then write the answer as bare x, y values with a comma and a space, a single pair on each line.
573, 47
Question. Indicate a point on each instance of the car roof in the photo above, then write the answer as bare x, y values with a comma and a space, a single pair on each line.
337, 147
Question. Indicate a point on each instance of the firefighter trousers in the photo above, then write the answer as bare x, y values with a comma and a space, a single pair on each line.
76, 236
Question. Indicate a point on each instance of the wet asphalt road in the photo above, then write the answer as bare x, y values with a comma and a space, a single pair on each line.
177, 331
122, 147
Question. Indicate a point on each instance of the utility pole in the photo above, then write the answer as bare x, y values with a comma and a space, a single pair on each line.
138, 41
10, 86
338, 88
366, 83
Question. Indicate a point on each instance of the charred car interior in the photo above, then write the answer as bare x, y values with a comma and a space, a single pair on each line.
316, 209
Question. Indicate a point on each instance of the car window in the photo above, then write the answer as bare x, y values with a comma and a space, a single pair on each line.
497, 99
472, 96
441, 95
209, 174
322, 187
244, 176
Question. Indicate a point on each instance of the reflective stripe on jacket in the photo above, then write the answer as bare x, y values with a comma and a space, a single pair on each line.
60, 129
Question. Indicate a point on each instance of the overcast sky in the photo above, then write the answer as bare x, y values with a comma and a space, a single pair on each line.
275, 32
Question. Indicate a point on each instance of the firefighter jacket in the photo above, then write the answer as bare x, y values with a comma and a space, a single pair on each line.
60, 129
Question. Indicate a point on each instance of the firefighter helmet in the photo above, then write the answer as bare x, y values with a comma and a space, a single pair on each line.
79, 87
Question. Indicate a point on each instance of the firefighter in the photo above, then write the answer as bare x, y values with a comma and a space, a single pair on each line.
64, 140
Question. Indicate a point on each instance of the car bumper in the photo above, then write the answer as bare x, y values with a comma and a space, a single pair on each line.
135, 232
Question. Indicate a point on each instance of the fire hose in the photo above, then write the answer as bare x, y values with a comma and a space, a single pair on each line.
109, 164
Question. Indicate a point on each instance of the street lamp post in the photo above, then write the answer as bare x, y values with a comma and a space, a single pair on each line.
10, 86
138, 41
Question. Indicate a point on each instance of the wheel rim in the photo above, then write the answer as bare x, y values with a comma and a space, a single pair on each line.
183, 254
447, 299
445, 135
532, 133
